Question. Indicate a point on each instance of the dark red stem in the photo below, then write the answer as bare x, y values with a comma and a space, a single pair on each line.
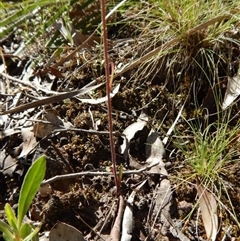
108, 88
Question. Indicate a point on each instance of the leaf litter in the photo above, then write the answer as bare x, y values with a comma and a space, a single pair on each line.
86, 200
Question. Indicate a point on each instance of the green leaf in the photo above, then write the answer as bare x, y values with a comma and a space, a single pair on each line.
7, 231
11, 218
30, 186
26, 229
33, 236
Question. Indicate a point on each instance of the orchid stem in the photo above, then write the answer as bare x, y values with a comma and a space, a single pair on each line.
108, 88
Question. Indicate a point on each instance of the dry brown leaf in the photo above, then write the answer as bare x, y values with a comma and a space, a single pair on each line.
42, 129
208, 207
62, 232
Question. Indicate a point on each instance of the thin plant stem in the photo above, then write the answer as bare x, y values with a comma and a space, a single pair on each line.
108, 88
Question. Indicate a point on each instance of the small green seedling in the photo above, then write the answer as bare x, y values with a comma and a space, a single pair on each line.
17, 229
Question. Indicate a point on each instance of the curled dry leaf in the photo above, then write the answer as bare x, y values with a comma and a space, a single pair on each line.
100, 100
155, 152
7, 164
29, 140
208, 207
116, 229
128, 221
42, 129
233, 90
129, 133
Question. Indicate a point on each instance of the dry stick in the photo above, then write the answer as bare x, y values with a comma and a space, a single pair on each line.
171, 43
96, 173
5, 70
108, 87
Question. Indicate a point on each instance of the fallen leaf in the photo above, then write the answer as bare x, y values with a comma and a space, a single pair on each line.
128, 223
208, 207
128, 220
155, 152
62, 232
51, 99
7, 164
233, 90
42, 129
100, 100
116, 229
129, 133
29, 140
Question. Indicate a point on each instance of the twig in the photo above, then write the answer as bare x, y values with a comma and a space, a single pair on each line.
95, 173
90, 131
5, 70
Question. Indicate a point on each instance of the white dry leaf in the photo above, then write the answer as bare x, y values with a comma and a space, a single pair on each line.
155, 152
100, 100
62, 232
163, 193
128, 221
208, 207
8, 132
129, 133
29, 140
7, 164
233, 90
